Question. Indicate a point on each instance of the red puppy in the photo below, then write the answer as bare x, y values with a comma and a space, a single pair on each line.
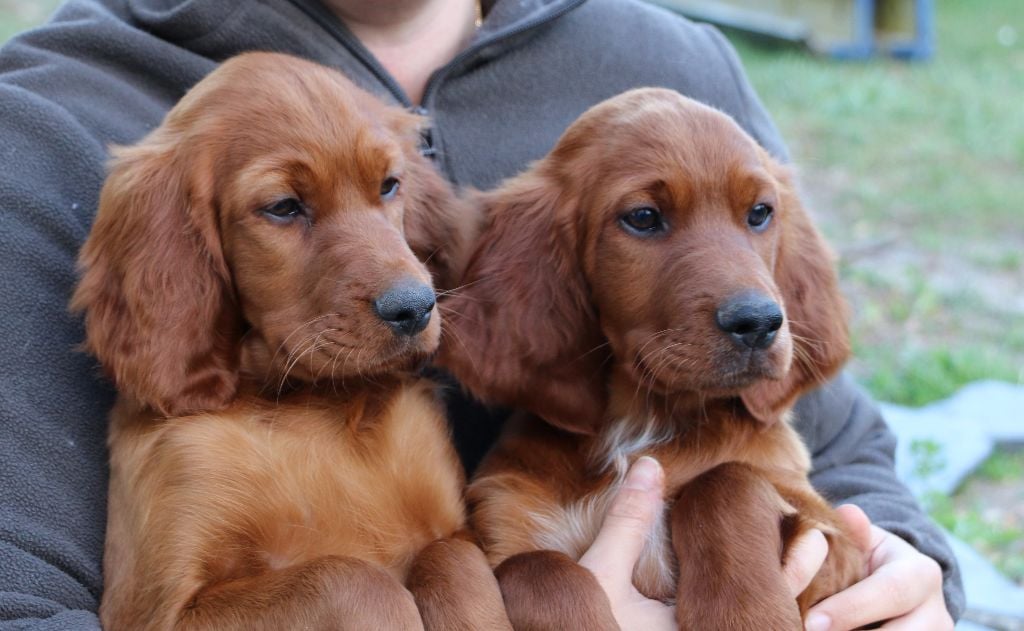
652, 286
251, 286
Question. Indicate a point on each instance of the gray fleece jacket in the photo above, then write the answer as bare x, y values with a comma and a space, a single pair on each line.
106, 71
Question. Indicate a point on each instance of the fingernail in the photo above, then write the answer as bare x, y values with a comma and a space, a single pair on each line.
818, 622
644, 475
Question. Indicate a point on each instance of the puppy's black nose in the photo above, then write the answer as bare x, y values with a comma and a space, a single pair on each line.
750, 318
406, 306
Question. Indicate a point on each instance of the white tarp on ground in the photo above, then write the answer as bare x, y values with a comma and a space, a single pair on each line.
952, 438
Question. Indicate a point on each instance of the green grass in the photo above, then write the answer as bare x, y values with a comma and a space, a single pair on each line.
18, 15
916, 173
920, 377
988, 512
934, 146
1001, 543
1002, 466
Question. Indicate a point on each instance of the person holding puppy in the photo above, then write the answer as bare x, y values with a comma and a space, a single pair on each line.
499, 81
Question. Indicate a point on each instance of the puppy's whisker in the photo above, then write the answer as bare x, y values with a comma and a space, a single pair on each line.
645, 359
640, 382
334, 368
451, 295
812, 343
453, 290
593, 350
646, 382
668, 347
650, 339
300, 347
296, 330
458, 339
808, 362
318, 347
663, 362
432, 255
445, 309
344, 367
367, 373
293, 354
327, 364
293, 361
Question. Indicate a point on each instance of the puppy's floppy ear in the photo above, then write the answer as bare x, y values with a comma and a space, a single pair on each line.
814, 308
439, 226
521, 331
155, 289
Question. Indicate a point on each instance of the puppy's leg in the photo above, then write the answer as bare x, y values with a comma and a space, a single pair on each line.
726, 533
327, 594
844, 564
455, 588
548, 591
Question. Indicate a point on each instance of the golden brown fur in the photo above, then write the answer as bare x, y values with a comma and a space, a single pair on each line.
275, 463
611, 337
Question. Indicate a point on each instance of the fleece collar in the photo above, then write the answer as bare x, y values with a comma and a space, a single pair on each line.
506, 23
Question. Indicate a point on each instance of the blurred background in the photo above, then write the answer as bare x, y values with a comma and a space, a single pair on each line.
910, 149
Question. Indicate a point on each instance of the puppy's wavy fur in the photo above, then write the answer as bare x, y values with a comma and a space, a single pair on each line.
275, 463
607, 337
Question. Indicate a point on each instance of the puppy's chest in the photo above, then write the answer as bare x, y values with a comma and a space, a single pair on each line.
572, 524
379, 492
571, 528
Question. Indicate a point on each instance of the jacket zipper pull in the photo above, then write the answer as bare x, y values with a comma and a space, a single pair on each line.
427, 148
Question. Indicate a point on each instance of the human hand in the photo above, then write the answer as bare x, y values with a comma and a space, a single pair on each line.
615, 551
617, 547
903, 587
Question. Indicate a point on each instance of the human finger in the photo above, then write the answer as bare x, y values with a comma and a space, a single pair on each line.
630, 518
858, 526
804, 560
932, 616
893, 590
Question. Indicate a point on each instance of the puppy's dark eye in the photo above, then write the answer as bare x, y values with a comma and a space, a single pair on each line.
389, 188
759, 217
644, 220
285, 209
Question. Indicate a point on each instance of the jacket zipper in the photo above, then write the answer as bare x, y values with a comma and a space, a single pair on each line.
327, 21
330, 23
436, 78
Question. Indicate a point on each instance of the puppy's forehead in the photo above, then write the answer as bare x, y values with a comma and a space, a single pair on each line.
654, 129
638, 107
651, 140
309, 113
670, 120
266, 97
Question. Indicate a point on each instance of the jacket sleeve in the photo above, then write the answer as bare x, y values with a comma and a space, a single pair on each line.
61, 104
746, 106
853, 463
52, 410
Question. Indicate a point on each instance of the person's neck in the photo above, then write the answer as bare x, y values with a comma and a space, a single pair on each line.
410, 38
